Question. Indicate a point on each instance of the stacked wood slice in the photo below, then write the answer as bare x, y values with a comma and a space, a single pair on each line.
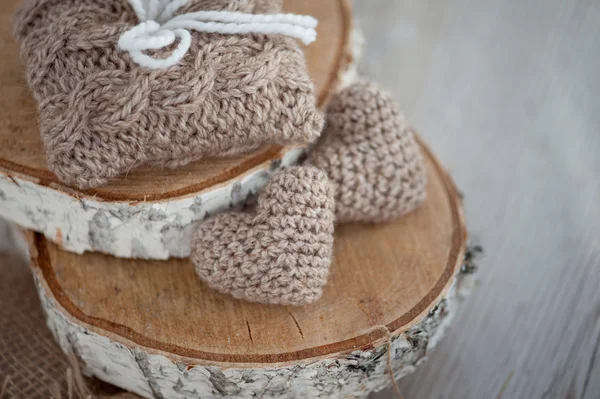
118, 291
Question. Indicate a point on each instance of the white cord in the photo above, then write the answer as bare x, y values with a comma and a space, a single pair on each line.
159, 29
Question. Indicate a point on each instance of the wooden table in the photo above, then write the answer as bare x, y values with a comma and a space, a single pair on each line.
507, 93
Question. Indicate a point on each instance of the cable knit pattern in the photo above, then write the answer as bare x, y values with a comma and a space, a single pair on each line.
278, 254
371, 157
102, 114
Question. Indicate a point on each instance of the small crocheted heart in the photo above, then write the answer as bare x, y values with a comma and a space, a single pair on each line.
371, 157
281, 251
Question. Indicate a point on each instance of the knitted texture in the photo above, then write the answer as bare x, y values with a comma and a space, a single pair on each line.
371, 157
278, 254
101, 114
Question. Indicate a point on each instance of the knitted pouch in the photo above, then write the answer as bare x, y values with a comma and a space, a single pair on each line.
102, 114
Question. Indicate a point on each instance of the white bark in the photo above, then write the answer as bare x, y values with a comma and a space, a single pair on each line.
148, 230
155, 374
357, 43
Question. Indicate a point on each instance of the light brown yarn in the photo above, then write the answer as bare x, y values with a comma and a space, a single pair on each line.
102, 115
278, 254
371, 157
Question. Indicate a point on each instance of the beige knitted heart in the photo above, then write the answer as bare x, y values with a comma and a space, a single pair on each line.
370, 156
278, 254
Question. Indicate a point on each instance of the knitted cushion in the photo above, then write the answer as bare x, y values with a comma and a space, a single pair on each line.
101, 114
370, 156
280, 253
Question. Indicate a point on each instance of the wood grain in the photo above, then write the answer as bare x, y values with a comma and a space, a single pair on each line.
384, 278
507, 93
21, 149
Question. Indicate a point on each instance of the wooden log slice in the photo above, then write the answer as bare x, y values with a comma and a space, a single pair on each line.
148, 213
152, 327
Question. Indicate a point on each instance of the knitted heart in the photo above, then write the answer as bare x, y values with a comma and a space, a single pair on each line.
280, 253
370, 156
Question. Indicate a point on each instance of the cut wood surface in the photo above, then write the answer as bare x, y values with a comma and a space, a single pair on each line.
383, 275
21, 152
146, 325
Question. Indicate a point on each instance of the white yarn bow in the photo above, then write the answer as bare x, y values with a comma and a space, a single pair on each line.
159, 29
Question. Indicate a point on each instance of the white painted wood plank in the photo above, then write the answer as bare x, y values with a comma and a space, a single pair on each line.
508, 95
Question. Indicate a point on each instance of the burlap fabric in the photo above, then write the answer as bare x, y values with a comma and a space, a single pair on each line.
31, 363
